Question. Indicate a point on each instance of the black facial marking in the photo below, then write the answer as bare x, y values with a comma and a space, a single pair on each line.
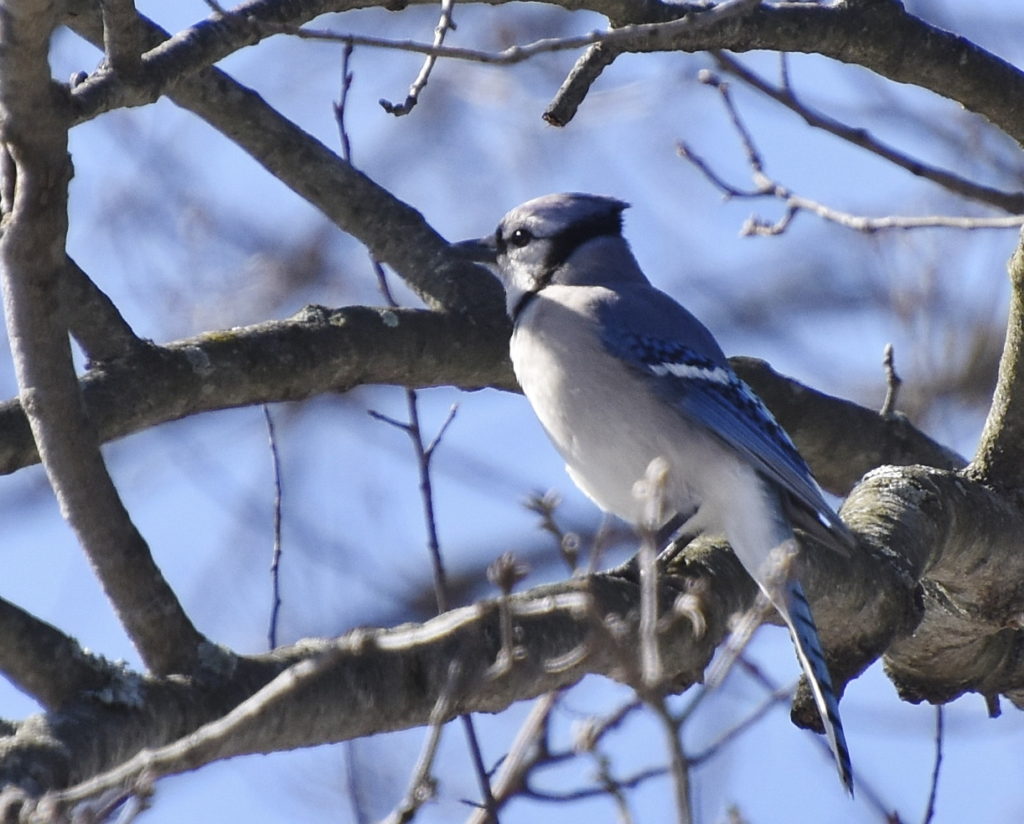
570, 239
561, 246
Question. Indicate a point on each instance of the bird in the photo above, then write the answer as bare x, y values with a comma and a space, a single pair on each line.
620, 375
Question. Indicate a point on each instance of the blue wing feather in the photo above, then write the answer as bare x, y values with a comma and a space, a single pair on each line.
707, 392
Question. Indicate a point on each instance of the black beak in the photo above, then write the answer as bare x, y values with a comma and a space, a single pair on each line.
479, 250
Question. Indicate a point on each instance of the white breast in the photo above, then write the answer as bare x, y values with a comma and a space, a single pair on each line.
601, 418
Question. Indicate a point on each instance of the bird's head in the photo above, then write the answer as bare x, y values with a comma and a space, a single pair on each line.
539, 243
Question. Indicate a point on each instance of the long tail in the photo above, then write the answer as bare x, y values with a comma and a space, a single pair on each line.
798, 617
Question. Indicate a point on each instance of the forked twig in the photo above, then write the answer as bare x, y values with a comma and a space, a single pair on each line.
765, 186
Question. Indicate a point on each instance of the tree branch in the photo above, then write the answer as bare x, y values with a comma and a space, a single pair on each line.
45, 663
838, 438
393, 231
765, 186
962, 541
881, 36
121, 41
1000, 456
1011, 202
316, 352
321, 351
563, 632
93, 319
574, 88
32, 259
915, 525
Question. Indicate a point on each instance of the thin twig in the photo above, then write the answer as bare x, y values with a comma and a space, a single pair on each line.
545, 505
643, 36
582, 793
741, 726
422, 786
505, 572
1012, 202
680, 763
614, 788
412, 98
929, 812
339, 106
352, 793
528, 749
275, 562
738, 640
765, 186
424, 455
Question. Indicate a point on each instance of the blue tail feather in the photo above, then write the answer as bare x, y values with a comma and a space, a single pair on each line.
812, 659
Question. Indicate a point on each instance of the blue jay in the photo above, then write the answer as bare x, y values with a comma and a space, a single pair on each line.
619, 375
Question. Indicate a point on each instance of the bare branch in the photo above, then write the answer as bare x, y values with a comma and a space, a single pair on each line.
93, 319
412, 98
795, 203
49, 665
882, 37
32, 259
330, 692
636, 37
1012, 202
317, 351
325, 351
332, 695
522, 756
678, 760
275, 558
422, 785
576, 85
394, 232
121, 41
1000, 456
929, 813
765, 186
774, 698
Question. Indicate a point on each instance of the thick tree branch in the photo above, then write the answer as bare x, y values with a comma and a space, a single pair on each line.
32, 258
341, 697
318, 351
882, 37
918, 528
962, 540
1000, 456
323, 350
575, 627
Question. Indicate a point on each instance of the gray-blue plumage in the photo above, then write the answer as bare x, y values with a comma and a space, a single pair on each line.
619, 374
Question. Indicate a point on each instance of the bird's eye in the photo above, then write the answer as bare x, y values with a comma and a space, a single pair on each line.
520, 237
